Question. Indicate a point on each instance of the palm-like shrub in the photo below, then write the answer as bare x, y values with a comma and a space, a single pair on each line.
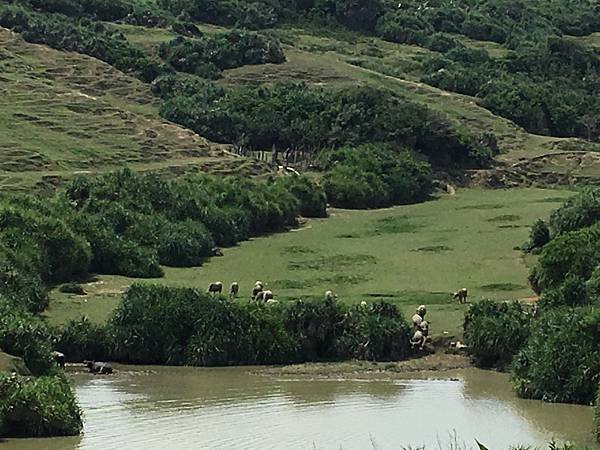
495, 332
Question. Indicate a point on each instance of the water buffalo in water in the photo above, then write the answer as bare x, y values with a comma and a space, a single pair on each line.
101, 368
461, 295
215, 288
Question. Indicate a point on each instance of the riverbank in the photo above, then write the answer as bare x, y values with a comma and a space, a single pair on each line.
436, 364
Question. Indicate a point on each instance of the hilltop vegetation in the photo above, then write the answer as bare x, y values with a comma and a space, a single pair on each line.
542, 80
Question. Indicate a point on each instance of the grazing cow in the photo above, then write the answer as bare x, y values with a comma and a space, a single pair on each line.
59, 358
267, 295
272, 302
461, 295
257, 289
215, 288
234, 289
419, 317
216, 251
363, 304
101, 368
420, 338
329, 295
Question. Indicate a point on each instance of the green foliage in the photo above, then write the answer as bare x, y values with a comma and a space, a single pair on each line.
27, 336
571, 292
38, 407
208, 54
22, 289
538, 236
575, 253
495, 332
82, 339
312, 197
560, 362
163, 325
374, 175
579, 211
296, 116
83, 36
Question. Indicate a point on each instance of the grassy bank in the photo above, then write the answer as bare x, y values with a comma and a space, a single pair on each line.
407, 255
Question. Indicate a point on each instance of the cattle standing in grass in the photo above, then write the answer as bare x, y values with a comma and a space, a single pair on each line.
461, 295
99, 367
59, 358
267, 295
257, 289
233, 290
215, 288
329, 295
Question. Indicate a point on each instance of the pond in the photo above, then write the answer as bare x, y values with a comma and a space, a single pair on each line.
232, 408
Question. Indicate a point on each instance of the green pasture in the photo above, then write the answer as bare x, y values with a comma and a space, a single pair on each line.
408, 255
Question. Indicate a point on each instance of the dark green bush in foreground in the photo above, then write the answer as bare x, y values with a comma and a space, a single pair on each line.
495, 332
560, 362
162, 325
38, 407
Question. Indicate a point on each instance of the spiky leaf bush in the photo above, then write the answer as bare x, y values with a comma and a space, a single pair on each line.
38, 407
495, 332
560, 362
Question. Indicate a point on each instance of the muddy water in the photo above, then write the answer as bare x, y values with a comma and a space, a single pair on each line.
187, 408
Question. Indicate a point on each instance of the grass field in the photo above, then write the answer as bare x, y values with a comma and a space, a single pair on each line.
408, 255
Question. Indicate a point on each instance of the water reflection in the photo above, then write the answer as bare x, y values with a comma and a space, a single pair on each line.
183, 408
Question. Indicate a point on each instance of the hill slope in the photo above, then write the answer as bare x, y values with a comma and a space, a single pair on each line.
63, 113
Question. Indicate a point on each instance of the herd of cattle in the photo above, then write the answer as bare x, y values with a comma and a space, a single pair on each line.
418, 341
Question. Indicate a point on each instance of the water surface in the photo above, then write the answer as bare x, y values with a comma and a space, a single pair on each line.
189, 408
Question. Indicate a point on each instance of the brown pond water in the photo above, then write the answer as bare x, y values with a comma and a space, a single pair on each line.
189, 408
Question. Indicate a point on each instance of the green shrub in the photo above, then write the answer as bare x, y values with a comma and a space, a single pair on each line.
579, 211
164, 325
22, 289
538, 236
575, 253
82, 340
571, 292
38, 407
560, 362
374, 175
206, 55
312, 198
27, 336
495, 332
377, 332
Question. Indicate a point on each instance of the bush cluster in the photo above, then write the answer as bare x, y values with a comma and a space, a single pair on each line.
164, 325
560, 362
295, 116
38, 407
82, 36
374, 175
208, 55
495, 332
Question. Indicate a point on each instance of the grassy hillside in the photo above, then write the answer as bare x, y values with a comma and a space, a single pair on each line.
408, 255
66, 113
